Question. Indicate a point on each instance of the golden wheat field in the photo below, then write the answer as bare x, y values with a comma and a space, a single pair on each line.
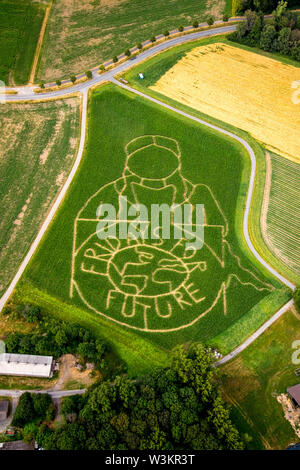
245, 89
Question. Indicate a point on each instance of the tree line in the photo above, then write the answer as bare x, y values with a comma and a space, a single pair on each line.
175, 408
54, 337
266, 6
279, 34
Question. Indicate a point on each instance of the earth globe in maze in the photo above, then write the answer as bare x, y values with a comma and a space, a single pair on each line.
146, 270
149, 284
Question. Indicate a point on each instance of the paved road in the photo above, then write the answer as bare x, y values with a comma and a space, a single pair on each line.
255, 335
56, 396
27, 93
53, 394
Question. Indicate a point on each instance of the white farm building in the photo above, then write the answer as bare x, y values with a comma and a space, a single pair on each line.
26, 365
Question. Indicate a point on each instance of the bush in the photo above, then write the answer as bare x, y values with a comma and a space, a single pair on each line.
180, 28
153, 39
267, 38
210, 20
41, 403
166, 33
283, 41
29, 432
101, 67
58, 82
42, 85
115, 59
237, 7
127, 53
73, 78
33, 406
297, 291
89, 74
140, 46
30, 313
195, 24
53, 337
225, 17
295, 54
25, 411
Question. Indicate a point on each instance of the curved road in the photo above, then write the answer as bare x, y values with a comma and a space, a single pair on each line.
26, 93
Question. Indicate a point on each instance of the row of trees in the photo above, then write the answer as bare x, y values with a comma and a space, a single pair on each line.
279, 34
174, 408
55, 337
210, 21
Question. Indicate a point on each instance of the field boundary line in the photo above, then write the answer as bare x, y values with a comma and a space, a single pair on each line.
55, 206
39, 44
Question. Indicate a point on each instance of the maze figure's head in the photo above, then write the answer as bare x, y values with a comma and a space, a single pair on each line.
152, 157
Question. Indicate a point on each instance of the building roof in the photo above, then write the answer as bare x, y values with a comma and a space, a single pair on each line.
4, 405
16, 445
294, 392
25, 364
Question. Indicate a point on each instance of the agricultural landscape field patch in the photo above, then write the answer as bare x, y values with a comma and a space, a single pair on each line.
252, 382
247, 90
38, 144
80, 35
280, 219
153, 69
20, 24
144, 285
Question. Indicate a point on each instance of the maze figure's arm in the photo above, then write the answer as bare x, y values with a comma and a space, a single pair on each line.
214, 215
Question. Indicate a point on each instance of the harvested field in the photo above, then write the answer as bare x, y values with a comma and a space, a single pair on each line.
280, 221
37, 147
83, 33
247, 90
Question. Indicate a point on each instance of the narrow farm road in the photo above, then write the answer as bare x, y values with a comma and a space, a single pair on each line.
255, 335
53, 394
27, 93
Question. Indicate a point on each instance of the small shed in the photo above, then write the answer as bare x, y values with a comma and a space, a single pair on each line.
4, 407
26, 365
294, 394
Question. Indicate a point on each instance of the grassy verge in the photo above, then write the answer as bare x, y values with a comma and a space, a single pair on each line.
8, 382
253, 380
139, 354
250, 322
